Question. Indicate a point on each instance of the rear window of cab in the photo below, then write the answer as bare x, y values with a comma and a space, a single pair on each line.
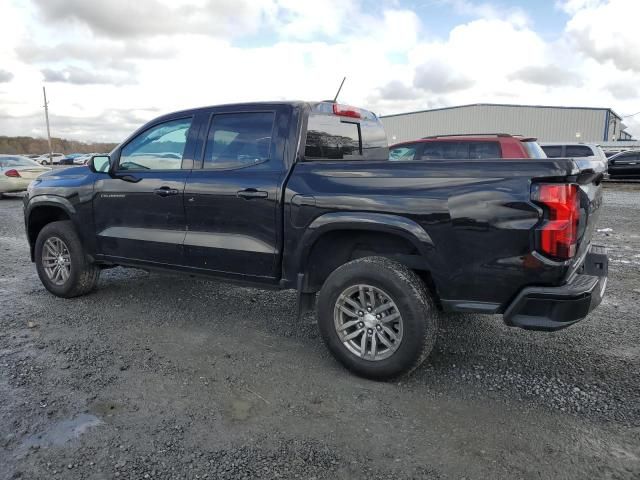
357, 136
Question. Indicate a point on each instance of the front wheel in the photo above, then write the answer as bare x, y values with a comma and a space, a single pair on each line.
61, 262
377, 318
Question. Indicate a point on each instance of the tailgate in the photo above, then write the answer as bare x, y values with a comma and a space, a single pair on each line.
590, 181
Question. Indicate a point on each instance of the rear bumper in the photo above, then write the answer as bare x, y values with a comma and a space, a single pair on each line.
553, 308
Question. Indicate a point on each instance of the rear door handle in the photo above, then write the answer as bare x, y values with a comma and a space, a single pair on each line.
300, 200
166, 191
250, 193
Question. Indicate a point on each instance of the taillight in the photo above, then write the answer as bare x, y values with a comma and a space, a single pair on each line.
346, 111
558, 235
12, 173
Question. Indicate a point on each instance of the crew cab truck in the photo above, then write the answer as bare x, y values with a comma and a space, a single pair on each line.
295, 195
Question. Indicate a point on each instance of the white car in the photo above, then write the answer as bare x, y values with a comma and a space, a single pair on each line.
84, 159
17, 172
56, 157
573, 150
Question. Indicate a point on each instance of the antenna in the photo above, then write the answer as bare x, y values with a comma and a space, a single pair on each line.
340, 88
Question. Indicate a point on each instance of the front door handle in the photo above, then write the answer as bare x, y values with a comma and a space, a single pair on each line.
250, 193
166, 191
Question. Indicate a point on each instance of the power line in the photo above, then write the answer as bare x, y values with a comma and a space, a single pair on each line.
632, 115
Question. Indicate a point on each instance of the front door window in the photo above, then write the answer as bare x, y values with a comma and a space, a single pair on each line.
159, 148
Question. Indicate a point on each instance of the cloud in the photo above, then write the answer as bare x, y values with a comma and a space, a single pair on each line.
79, 76
96, 51
109, 126
396, 90
309, 19
5, 76
548, 75
438, 77
606, 31
514, 15
623, 90
126, 18
573, 6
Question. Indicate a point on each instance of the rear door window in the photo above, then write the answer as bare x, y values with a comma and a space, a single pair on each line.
238, 140
626, 159
403, 153
479, 150
553, 151
574, 151
445, 150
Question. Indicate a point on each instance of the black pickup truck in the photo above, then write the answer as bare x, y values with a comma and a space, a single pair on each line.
296, 195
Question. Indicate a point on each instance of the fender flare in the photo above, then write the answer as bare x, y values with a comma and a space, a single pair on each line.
51, 201
380, 222
46, 201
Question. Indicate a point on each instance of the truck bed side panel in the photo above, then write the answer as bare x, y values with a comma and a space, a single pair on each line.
478, 215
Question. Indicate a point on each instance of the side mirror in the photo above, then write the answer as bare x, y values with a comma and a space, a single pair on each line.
100, 164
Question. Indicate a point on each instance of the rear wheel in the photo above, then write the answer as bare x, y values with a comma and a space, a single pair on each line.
377, 318
61, 262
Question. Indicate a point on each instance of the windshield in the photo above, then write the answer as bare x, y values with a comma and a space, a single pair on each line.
17, 162
534, 150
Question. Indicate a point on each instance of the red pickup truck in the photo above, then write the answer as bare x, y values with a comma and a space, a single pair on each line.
467, 147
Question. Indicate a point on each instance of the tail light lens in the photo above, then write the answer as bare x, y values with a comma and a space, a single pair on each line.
12, 173
558, 235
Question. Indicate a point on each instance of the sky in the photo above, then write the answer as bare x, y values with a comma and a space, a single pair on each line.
111, 65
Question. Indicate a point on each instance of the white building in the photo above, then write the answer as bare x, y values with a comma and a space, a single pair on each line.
548, 124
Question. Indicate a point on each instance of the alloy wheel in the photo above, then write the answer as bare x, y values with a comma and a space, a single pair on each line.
56, 260
368, 322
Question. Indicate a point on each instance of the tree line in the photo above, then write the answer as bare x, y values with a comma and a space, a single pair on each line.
30, 145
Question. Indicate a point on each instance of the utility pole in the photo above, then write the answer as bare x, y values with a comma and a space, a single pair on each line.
46, 116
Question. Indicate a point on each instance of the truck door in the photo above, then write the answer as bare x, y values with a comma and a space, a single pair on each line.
232, 196
139, 211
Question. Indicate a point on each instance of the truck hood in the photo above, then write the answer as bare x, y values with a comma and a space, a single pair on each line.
77, 171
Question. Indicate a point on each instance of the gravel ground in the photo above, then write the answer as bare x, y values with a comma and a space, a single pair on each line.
161, 376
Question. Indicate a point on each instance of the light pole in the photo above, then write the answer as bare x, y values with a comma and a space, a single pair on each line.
46, 116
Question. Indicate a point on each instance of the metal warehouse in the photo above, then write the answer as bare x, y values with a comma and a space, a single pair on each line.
547, 123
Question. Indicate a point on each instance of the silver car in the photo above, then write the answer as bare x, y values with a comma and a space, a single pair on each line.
17, 172
573, 150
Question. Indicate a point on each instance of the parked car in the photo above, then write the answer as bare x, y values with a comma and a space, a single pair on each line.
625, 165
71, 159
17, 172
574, 150
55, 158
295, 195
467, 147
86, 157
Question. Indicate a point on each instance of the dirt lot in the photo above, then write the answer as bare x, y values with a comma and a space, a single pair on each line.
160, 376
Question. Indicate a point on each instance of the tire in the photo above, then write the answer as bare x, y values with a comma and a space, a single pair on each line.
417, 327
82, 275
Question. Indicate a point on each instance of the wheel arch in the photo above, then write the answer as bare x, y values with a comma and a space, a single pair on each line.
44, 210
339, 237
